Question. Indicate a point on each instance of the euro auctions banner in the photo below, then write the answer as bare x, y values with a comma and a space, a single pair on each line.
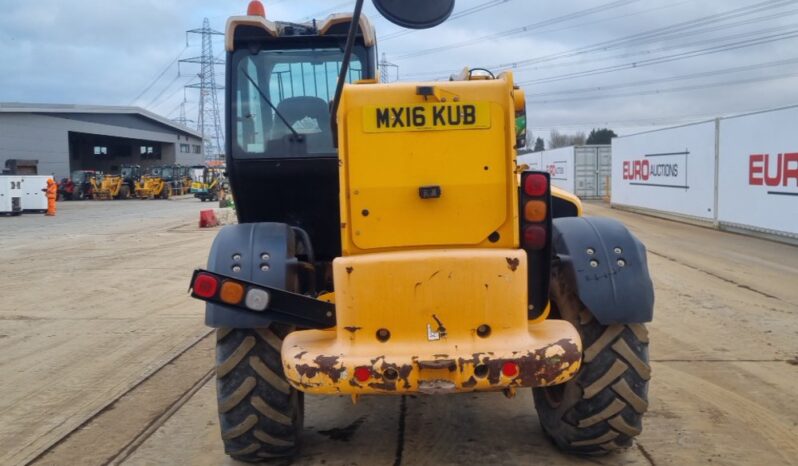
670, 170
758, 172
667, 170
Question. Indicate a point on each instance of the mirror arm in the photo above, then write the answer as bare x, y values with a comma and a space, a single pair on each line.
350, 44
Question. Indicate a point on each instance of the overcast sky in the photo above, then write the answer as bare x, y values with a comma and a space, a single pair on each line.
626, 64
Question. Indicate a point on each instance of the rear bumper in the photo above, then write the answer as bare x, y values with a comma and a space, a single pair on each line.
435, 307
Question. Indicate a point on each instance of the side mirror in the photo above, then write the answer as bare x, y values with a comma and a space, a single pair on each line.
415, 14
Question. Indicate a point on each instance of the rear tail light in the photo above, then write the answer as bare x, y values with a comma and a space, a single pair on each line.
535, 211
229, 291
510, 369
362, 373
536, 185
257, 300
205, 285
232, 292
534, 237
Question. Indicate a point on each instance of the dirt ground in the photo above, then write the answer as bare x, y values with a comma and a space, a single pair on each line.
105, 360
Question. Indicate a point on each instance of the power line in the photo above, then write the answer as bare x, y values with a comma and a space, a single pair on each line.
666, 59
748, 34
327, 11
519, 30
440, 73
736, 69
460, 14
160, 75
653, 34
681, 29
155, 99
667, 90
658, 121
173, 93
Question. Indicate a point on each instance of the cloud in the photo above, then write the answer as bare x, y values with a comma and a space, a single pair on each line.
107, 52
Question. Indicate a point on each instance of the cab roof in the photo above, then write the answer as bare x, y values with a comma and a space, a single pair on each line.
336, 24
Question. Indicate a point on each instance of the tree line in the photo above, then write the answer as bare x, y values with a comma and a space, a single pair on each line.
558, 139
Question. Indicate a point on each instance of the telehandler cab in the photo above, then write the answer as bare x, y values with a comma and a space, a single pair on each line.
390, 245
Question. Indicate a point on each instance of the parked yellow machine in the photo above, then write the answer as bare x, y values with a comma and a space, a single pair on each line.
206, 183
182, 181
152, 185
122, 186
107, 187
415, 257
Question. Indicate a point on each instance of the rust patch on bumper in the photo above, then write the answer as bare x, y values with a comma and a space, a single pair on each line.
536, 368
323, 365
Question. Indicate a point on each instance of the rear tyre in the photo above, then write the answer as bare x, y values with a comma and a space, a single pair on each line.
124, 192
601, 409
165, 194
260, 414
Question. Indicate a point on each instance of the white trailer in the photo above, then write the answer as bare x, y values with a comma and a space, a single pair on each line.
581, 170
34, 193
10, 195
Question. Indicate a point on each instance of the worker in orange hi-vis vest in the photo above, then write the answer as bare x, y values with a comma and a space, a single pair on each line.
52, 193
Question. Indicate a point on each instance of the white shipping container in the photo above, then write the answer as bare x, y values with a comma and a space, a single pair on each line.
592, 171
581, 170
758, 171
670, 170
10, 195
34, 195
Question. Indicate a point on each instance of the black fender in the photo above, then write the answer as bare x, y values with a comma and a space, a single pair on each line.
238, 252
608, 266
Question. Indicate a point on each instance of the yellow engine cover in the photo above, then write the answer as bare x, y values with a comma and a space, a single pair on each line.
428, 165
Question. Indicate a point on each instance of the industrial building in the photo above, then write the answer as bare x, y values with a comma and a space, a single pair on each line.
64, 138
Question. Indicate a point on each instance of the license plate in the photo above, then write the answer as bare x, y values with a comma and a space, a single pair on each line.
426, 117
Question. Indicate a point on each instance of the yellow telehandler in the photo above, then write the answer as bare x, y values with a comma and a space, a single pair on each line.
153, 185
108, 187
389, 244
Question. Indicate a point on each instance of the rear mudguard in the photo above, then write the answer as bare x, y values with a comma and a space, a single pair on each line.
242, 251
608, 267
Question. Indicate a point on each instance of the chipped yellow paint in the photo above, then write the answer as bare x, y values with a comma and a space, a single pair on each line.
438, 300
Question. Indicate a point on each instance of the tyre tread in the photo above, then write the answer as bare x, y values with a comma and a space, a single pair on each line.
601, 409
260, 414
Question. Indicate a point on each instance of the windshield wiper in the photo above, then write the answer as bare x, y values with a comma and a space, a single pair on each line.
298, 137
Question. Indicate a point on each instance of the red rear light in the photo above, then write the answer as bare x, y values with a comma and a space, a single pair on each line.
256, 8
510, 369
362, 373
536, 185
205, 285
534, 237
